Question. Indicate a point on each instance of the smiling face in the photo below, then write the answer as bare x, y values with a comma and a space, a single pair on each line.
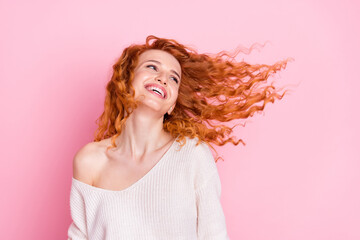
157, 77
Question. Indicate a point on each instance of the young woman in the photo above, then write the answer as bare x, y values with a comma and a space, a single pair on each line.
150, 174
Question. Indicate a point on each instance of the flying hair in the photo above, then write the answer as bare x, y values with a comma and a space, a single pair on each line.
214, 89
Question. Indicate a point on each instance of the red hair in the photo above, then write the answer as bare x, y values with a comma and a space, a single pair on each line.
213, 90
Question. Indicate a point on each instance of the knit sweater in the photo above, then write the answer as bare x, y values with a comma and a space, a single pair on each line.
179, 198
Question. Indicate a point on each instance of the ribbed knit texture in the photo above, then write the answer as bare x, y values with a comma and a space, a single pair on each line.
179, 198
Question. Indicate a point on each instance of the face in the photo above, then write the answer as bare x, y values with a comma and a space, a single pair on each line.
157, 78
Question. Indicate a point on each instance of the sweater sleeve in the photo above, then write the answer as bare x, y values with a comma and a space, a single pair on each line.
211, 220
77, 229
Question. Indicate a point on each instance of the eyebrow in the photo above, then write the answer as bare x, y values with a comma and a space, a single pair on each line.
160, 64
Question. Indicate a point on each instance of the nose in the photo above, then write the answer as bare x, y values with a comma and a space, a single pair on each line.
161, 79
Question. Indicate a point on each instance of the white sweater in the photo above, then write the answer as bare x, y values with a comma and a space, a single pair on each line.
179, 198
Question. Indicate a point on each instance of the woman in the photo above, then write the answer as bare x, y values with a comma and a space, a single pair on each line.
150, 173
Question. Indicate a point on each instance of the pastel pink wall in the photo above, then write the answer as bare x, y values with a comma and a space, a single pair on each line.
298, 176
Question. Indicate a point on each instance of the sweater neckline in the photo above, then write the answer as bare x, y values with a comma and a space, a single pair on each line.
157, 165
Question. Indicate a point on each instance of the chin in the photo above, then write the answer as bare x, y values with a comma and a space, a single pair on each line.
152, 107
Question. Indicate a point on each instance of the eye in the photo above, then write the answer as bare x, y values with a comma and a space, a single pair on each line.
175, 79
152, 67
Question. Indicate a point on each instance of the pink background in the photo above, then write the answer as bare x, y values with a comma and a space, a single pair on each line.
298, 176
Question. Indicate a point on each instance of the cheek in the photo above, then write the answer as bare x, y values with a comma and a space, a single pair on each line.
175, 95
137, 81
136, 86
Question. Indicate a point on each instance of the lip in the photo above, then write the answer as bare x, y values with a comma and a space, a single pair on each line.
158, 86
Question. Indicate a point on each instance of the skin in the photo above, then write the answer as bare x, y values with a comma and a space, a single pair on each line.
143, 140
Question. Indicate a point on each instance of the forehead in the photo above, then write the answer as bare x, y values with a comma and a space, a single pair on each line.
163, 57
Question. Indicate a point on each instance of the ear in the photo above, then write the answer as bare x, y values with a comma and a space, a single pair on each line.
171, 109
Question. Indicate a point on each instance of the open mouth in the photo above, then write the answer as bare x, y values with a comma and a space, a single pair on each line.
159, 91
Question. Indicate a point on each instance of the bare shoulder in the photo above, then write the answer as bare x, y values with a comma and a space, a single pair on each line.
88, 161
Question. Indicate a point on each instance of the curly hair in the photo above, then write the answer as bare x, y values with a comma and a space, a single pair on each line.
214, 89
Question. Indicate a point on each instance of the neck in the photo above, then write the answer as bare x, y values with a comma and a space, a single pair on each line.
143, 133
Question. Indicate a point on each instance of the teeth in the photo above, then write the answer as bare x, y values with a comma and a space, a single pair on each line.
151, 88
